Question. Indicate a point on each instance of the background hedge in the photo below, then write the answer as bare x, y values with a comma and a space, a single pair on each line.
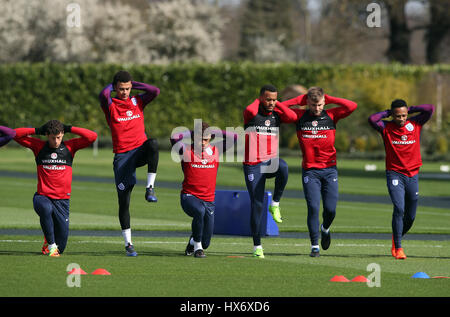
32, 94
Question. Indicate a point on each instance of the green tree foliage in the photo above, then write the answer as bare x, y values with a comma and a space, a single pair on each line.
217, 93
267, 28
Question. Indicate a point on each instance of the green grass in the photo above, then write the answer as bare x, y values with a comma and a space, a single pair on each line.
94, 207
161, 270
353, 179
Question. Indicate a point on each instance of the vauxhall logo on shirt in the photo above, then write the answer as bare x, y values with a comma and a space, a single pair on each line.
403, 140
265, 125
312, 126
129, 116
204, 162
54, 159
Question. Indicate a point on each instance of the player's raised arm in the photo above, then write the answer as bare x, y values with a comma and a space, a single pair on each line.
376, 120
6, 135
23, 138
346, 107
105, 96
286, 115
229, 139
300, 100
105, 100
251, 111
175, 139
151, 92
425, 113
87, 137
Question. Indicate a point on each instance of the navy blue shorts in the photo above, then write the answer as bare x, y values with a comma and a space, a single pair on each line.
320, 184
404, 193
202, 213
125, 165
255, 180
54, 219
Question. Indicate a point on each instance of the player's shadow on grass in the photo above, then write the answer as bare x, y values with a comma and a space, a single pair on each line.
120, 253
360, 256
11, 252
322, 254
247, 254
162, 253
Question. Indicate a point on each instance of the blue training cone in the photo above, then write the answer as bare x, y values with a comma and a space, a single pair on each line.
420, 275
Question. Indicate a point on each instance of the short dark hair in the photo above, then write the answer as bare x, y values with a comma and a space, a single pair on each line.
268, 87
200, 128
122, 76
315, 94
54, 127
398, 103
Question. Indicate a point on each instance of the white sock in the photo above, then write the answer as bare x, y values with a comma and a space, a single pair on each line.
151, 179
191, 242
127, 236
197, 246
275, 203
51, 246
257, 247
315, 247
323, 229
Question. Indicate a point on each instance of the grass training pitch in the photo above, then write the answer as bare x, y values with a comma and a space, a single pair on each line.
361, 236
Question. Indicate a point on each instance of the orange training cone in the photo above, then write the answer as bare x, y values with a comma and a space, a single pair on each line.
360, 278
77, 271
339, 278
100, 272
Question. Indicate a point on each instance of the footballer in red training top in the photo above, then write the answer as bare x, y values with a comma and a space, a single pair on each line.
316, 129
132, 148
54, 159
262, 121
200, 162
401, 138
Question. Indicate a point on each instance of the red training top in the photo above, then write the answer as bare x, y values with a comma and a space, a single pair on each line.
200, 172
126, 117
402, 144
316, 134
54, 166
262, 131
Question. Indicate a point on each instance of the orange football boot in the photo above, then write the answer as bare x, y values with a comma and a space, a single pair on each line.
45, 249
400, 254
54, 252
393, 250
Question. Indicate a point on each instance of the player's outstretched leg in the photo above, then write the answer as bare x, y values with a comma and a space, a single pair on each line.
330, 199
281, 179
44, 208
124, 197
255, 182
195, 208
61, 223
311, 189
396, 188
152, 159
